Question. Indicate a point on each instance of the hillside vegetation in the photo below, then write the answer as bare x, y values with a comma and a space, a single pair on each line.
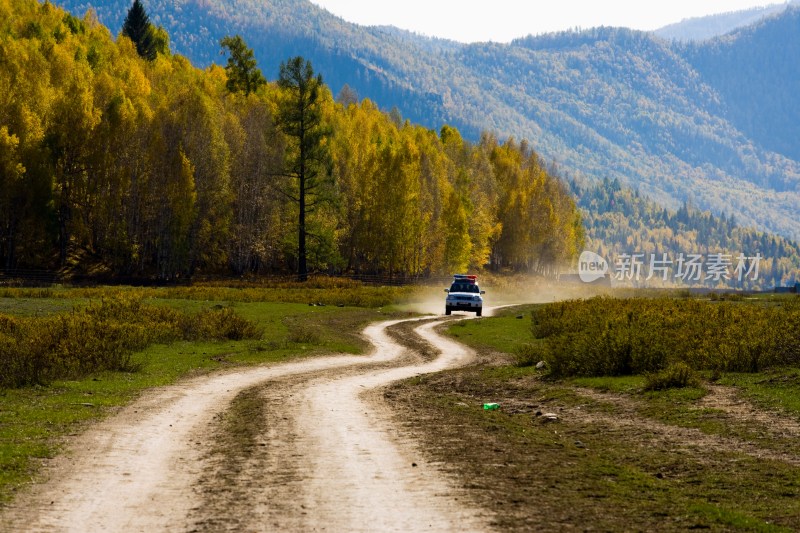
711, 26
755, 73
620, 220
708, 124
154, 168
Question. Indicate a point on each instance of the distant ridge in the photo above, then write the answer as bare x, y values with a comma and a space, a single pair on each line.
708, 27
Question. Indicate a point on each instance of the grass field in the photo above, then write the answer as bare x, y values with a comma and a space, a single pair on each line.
719, 451
722, 453
33, 419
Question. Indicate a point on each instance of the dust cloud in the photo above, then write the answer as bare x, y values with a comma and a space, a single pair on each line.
429, 299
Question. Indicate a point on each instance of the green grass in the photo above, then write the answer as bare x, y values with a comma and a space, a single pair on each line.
623, 384
37, 306
777, 388
327, 291
666, 339
649, 483
503, 332
34, 420
582, 471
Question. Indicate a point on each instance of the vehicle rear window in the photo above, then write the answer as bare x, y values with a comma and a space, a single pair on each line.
464, 287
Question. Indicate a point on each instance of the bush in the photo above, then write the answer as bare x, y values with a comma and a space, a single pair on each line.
607, 336
328, 291
325, 290
218, 324
529, 355
302, 334
102, 336
676, 376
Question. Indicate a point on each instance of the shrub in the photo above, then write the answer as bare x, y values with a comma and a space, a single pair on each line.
325, 290
675, 376
607, 336
219, 324
328, 291
103, 336
529, 355
302, 334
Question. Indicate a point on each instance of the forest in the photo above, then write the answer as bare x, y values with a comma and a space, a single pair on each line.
710, 123
757, 78
140, 164
621, 220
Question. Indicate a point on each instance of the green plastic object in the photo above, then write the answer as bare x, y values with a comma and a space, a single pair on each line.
491, 406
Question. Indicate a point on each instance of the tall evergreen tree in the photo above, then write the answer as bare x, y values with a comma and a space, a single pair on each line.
243, 75
138, 29
307, 159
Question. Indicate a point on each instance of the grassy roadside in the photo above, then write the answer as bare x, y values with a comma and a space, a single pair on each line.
722, 455
34, 419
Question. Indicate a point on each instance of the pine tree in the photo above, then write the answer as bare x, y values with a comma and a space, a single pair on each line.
243, 75
138, 29
307, 162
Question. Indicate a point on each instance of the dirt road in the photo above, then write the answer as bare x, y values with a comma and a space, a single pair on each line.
314, 450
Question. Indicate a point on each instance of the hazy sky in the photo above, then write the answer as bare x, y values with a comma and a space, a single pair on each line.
503, 20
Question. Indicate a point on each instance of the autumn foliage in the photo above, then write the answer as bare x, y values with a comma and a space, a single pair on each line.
153, 168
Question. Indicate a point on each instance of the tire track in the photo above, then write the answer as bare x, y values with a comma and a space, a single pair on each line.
345, 468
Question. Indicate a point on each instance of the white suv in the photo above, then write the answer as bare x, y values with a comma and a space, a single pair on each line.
464, 295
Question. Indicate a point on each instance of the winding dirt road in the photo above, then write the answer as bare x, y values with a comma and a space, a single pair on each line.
326, 456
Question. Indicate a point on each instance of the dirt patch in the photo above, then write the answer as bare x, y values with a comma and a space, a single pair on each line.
756, 432
596, 464
403, 333
231, 487
728, 400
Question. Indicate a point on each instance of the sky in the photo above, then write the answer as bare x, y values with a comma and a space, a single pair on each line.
504, 20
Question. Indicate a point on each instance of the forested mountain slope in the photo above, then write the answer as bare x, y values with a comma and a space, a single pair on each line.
619, 221
755, 73
679, 123
710, 26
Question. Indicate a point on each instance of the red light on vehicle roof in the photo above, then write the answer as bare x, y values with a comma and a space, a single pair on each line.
468, 277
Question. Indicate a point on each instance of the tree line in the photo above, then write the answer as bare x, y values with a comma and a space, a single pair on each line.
621, 220
712, 123
121, 155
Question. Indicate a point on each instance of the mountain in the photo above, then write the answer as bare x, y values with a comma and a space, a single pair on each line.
708, 27
709, 123
754, 71
371, 60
